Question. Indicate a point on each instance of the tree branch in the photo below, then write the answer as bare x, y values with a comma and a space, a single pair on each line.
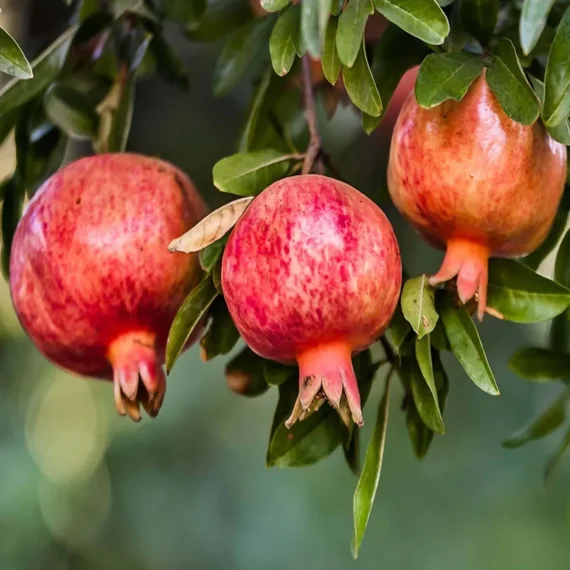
311, 116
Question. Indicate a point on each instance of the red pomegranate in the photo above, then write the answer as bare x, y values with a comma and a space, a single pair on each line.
312, 273
91, 278
474, 182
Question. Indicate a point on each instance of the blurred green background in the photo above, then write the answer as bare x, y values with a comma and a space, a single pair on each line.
81, 488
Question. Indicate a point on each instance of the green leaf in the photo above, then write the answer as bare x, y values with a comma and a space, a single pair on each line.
559, 334
46, 68
418, 305
351, 450
544, 424
222, 334
532, 22
274, 5
307, 442
423, 19
138, 7
399, 328
350, 30
523, 296
210, 255
426, 400
560, 132
168, 64
71, 111
370, 476
479, 18
540, 364
330, 60
445, 76
438, 339
556, 457
87, 9
562, 266
310, 15
508, 82
12, 58
244, 55
12, 205
188, 316
122, 118
7, 124
420, 435
248, 173
534, 259
286, 41
360, 85
244, 374
221, 18
466, 345
557, 77
188, 14
277, 374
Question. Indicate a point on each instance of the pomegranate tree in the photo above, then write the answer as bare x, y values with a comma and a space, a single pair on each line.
91, 278
311, 274
474, 182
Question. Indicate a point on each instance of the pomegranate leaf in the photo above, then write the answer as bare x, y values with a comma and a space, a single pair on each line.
540, 364
244, 374
559, 334
277, 374
445, 76
222, 334
399, 328
168, 63
360, 85
274, 5
544, 424
370, 476
46, 68
210, 255
248, 173
559, 452
221, 18
534, 259
523, 296
314, 18
418, 305
351, 450
560, 132
12, 204
188, 14
532, 22
562, 266
507, 80
424, 390
438, 339
479, 18
286, 41
137, 7
12, 58
350, 31
257, 110
466, 345
423, 19
330, 60
187, 318
557, 76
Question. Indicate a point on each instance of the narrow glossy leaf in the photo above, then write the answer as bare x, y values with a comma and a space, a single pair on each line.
71, 111
325, 9
214, 226
248, 173
420, 435
423, 19
277, 374
222, 334
508, 82
446, 76
438, 338
310, 26
350, 30
244, 374
418, 305
274, 5
168, 63
479, 18
360, 85
257, 109
308, 441
539, 255
424, 359
562, 266
532, 22
217, 276
399, 328
45, 67
540, 364
560, 132
12, 205
330, 60
210, 255
285, 40
557, 456
559, 334
351, 451
244, 54
12, 58
188, 14
544, 424
189, 315
122, 118
466, 346
523, 296
557, 77
370, 476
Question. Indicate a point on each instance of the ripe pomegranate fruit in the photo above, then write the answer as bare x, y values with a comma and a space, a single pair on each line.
91, 278
312, 273
474, 182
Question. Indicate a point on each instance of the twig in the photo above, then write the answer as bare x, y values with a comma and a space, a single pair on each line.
311, 116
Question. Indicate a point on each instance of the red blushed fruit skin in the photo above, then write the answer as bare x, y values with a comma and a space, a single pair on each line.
91, 277
472, 180
312, 267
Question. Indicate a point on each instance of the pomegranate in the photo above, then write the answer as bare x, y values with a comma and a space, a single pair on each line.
312, 273
476, 183
91, 278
